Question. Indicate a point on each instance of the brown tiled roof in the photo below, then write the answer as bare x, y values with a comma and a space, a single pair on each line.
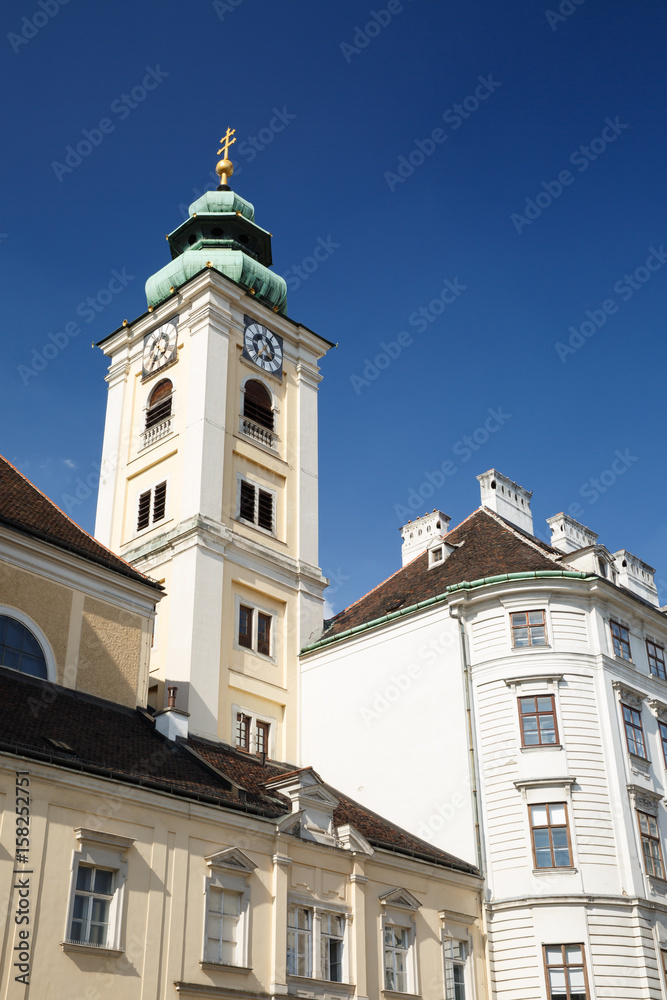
487, 546
122, 744
26, 509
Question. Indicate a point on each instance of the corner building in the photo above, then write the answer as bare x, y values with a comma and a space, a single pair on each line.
209, 476
527, 683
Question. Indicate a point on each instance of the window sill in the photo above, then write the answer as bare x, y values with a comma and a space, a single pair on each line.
399, 996
257, 527
241, 970
564, 870
640, 765
90, 949
514, 649
542, 746
330, 985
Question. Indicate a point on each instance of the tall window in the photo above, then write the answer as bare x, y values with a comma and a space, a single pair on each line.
455, 965
19, 648
92, 901
263, 633
159, 403
656, 659
332, 927
299, 941
528, 629
396, 952
663, 739
152, 506
551, 838
257, 404
245, 626
222, 922
634, 734
538, 721
243, 723
256, 505
262, 737
620, 640
650, 837
566, 971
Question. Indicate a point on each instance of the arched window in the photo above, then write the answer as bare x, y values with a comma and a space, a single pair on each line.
159, 403
257, 404
19, 649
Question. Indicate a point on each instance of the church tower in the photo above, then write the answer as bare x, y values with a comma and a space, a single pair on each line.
209, 475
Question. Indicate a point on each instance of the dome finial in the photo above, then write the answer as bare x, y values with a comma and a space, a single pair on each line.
225, 168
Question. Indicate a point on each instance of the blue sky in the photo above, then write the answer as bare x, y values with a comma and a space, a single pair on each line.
486, 178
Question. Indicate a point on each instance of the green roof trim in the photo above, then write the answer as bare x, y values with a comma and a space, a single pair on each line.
485, 581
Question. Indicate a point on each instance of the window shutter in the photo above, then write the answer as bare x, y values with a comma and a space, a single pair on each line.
159, 501
247, 505
265, 511
159, 407
144, 514
257, 404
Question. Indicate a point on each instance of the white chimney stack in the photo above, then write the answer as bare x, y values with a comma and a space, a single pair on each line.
568, 535
637, 576
507, 499
418, 534
172, 722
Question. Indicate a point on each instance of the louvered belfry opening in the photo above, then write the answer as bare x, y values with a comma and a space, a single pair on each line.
257, 404
159, 405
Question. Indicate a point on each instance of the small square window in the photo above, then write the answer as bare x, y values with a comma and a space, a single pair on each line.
528, 629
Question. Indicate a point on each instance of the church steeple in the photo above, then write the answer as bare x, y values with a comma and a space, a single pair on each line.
221, 232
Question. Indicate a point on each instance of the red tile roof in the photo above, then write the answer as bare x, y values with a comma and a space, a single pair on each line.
26, 509
122, 744
486, 546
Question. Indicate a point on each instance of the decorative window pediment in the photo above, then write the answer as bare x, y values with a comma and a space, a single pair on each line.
350, 839
400, 897
232, 858
629, 696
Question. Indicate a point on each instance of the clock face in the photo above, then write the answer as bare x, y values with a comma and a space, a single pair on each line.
159, 348
263, 347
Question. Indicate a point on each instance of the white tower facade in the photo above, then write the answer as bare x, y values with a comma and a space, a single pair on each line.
210, 477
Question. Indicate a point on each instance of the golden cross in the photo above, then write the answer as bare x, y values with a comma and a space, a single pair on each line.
227, 140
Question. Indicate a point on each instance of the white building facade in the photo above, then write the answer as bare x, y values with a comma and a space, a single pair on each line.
520, 691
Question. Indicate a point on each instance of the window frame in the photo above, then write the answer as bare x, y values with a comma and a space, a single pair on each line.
636, 728
229, 871
537, 713
256, 611
154, 406
568, 994
317, 912
651, 839
621, 641
106, 852
272, 404
662, 730
399, 908
254, 721
550, 826
140, 493
456, 963
408, 927
660, 660
528, 626
258, 488
9, 612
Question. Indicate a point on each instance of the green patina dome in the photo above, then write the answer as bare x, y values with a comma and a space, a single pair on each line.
221, 233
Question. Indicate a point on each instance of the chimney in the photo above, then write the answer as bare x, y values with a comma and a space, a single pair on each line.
637, 576
418, 534
568, 535
506, 498
172, 722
